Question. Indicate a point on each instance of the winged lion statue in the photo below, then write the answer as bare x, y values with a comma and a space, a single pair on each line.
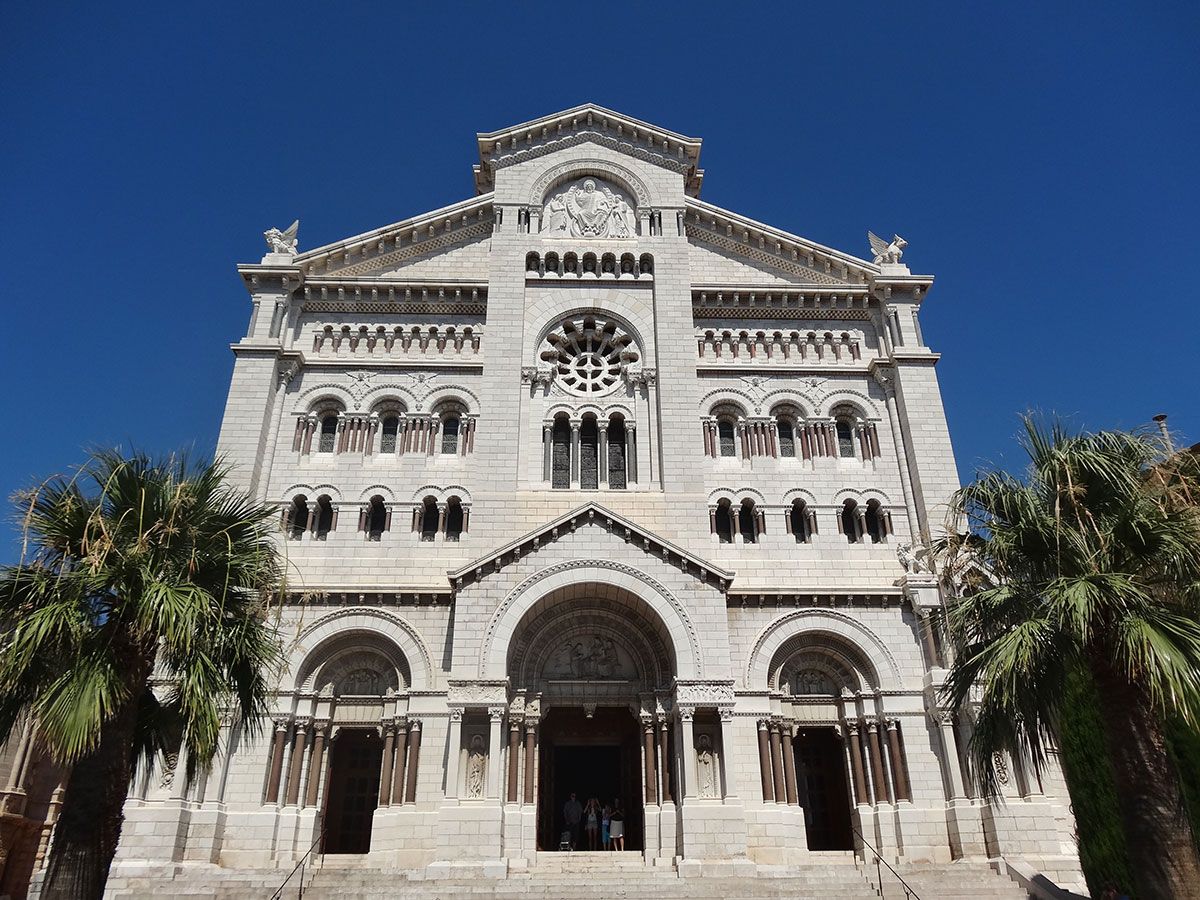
282, 241
886, 251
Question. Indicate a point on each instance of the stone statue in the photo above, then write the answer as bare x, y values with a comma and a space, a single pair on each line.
476, 767
283, 241
912, 559
587, 209
706, 778
884, 251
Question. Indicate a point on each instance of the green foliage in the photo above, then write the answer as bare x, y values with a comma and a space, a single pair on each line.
138, 567
1183, 740
1096, 553
1086, 764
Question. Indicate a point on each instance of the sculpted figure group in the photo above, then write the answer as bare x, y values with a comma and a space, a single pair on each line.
588, 210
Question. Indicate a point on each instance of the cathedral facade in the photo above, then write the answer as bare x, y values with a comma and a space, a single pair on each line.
589, 486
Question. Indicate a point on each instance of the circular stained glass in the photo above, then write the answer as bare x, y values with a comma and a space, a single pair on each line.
588, 354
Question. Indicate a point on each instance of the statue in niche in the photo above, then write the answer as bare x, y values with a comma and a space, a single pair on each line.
588, 209
476, 764
594, 659
706, 777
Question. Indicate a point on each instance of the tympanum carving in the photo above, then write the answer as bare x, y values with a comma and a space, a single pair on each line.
588, 208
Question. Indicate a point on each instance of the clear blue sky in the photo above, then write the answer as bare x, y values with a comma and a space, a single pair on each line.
1041, 160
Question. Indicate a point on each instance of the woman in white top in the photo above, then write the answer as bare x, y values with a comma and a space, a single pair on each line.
616, 826
591, 823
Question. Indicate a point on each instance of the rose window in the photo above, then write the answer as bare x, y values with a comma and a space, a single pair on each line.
588, 355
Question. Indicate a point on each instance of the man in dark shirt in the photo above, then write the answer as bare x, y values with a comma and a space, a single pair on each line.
573, 815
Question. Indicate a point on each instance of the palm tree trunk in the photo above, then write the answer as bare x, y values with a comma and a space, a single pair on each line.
1158, 834
89, 826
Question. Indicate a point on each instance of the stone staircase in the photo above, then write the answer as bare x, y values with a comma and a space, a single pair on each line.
561, 876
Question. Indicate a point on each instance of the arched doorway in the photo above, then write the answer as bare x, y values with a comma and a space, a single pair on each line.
595, 658
821, 676
359, 678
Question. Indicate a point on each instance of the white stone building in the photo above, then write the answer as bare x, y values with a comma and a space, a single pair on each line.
589, 485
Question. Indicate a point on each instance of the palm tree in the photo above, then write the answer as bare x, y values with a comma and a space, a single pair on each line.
1096, 552
158, 567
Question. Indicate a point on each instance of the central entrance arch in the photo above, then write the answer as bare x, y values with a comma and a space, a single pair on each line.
597, 662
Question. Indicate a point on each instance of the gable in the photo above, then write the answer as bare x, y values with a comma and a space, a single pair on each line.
436, 244
600, 528
717, 260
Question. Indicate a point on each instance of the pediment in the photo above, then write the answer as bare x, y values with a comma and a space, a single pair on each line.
457, 235
731, 249
592, 515
584, 124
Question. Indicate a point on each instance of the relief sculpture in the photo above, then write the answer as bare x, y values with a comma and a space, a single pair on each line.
588, 208
587, 659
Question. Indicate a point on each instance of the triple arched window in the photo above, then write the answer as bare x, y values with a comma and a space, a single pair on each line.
388, 430
786, 434
589, 453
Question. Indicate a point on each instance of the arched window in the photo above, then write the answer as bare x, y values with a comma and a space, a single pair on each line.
844, 426
531, 262
560, 457
616, 454
646, 264
328, 433
454, 519
874, 523
726, 435
798, 519
747, 524
388, 434
450, 430
377, 518
325, 516
589, 454
552, 263
724, 523
297, 521
849, 519
429, 519
787, 438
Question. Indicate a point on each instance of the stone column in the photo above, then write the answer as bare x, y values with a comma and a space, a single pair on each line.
530, 754
899, 772
777, 765
688, 750
602, 454
664, 740
764, 761
316, 764
398, 763
16, 775
728, 771
945, 720
547, 449
575, 425
789, 764
276, 771
648, 753
414, 755
514, 746
454, 753
631, 454
387, 764
495, 735
877, 771
293, 790
856, 764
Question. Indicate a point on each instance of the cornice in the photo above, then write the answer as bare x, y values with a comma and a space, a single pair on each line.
782, 248
588, 123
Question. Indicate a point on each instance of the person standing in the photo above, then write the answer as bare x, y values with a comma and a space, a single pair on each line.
616, 826
591, 823
605, 839
572, 815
